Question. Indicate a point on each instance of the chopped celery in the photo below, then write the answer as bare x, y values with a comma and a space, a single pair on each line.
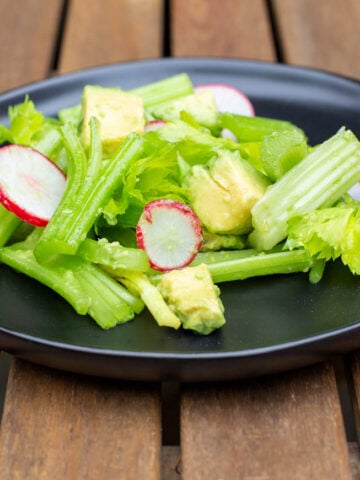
86, 287
318, 181
200, 106
253, 129
317, 271
152, 298
222, 256
89, 188
165, 90
9, 222
113, 255
260, 264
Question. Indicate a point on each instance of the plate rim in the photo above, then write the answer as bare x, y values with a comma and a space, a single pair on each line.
192, 356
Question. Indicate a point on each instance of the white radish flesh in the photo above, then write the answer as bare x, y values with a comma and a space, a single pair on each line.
31, 185
170, 233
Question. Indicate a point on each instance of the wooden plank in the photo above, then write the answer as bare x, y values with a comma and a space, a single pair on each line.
321, 33
28, 36
287, 426
226, 28
58, 425
108, 31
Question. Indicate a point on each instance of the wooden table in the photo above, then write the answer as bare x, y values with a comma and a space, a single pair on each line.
298, 425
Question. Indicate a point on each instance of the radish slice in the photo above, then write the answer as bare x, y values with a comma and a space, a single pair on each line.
229, 99
355, 191
170, 233
31, 185
154, 125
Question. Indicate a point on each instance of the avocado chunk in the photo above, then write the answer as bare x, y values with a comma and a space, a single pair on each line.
118, 112
223, 192
193, 297
201, 106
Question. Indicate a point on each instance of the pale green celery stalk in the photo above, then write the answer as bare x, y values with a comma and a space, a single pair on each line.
253, 129
90, 187
62, 279
317, 181
111, 303
317, 270
222, 256
49, 141
164, 90
113, 255
152, 298
260, 264
9, 222
85, 286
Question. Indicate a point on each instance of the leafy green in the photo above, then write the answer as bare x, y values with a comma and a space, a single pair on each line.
329, 233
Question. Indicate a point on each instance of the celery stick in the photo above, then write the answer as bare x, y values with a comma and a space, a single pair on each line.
152, 298
222, 256
253, 129
164, 90
84, 286
90, 187
318, 181
113, 255
9, 222
260, 264
317, 271
62, 279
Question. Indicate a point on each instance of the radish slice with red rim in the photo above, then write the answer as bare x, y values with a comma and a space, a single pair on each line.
31, 185
154, 125
170, 233
229, 99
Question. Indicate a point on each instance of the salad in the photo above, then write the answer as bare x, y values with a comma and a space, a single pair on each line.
152, 198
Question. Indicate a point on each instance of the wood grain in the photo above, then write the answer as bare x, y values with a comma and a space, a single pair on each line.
321, 33
285, 427
227, 28
57, 425
28, 36
108, 31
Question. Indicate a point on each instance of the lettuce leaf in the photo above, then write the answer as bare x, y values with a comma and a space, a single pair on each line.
156, 174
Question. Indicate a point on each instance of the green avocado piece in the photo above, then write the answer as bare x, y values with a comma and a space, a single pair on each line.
118, 112
193, 297
223, 192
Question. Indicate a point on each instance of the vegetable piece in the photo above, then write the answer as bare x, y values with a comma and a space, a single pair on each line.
253, 129
31, 185
164, 90
228, 98
86, 287
249, 263
152, 298
223, 193
329, 233
281, 151
194, 298
200, 106
217, 241
170, 233
113, 255
154, 125
119, 113
89, 188
318, 181
9, 222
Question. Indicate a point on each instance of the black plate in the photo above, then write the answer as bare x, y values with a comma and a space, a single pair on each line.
273, 323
